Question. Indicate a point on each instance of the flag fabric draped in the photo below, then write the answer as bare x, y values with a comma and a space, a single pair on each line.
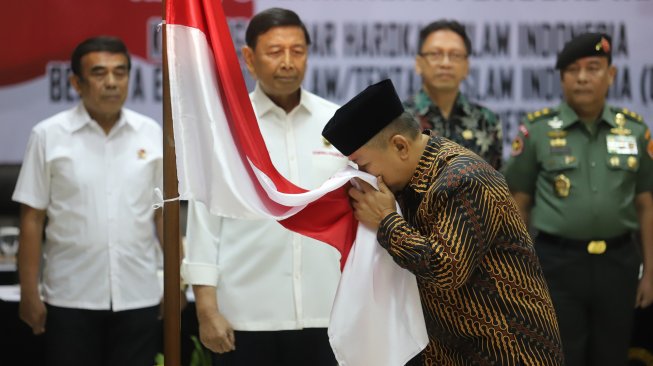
222, 161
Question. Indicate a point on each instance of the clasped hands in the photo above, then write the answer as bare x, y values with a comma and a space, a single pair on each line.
371, 206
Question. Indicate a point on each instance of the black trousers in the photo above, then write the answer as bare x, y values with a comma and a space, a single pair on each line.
305, 347
594, 299
77, 337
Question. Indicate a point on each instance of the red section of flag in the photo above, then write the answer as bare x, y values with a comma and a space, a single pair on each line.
235, 99
329, 219
35, 32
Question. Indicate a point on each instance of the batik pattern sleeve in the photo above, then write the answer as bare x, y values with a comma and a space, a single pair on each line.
462, 216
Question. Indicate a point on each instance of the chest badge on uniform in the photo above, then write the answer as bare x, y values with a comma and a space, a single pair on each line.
142, 154
557, 134
555, 123
620, 120
517, 146
468, 134
631, 162
621, 144
614, 161
562, 185
558, 142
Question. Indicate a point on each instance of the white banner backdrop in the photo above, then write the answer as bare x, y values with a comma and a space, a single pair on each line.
358, 42
515, 42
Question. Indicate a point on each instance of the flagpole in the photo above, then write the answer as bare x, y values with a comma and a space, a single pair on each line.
171, 275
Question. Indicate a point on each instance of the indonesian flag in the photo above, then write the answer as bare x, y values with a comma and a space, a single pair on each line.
222, 161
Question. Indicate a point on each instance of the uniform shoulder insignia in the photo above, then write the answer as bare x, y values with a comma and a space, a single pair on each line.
630, 115
537, 115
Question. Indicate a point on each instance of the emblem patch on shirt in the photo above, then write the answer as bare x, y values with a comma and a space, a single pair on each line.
562, 184
555, 122
142, 154
649, 146
523, 130
517, 146
326, 142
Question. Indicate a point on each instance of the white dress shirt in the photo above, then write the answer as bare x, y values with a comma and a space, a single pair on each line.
269, 278
100, 250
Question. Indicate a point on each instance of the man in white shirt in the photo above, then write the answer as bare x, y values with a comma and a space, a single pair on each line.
91, 171
275, 288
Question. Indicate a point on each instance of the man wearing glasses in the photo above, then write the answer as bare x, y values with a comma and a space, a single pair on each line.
443, 64
583, 172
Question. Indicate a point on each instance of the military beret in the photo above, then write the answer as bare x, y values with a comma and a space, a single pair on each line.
585, 45
365, 115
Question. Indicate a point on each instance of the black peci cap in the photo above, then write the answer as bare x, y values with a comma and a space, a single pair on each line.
365, 115
585, 45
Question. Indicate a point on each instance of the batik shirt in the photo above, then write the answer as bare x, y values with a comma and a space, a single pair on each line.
484, 297
470, 125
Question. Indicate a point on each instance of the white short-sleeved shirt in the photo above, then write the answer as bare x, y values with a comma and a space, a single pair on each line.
100, 250
269, 278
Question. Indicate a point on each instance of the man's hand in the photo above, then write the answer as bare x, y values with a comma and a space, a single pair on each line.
216, 333
32, 311
644, 292
371, 206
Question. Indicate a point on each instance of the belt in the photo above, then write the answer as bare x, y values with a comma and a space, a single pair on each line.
597, 246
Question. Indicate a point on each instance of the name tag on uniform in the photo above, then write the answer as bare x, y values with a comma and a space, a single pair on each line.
623, 145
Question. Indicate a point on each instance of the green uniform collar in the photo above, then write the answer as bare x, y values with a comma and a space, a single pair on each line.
569, 117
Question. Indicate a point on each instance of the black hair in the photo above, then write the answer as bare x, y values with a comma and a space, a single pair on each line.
444, 24
97, 44
405, 124
271, 18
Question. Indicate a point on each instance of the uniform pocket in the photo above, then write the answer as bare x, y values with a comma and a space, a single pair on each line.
559, 163
629, 163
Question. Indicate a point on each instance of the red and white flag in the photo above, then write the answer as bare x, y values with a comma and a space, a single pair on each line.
222, 161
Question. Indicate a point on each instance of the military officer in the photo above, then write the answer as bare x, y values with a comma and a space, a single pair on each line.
583, 173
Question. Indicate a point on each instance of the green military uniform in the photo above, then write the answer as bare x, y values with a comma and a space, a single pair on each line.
470, 125
583, 179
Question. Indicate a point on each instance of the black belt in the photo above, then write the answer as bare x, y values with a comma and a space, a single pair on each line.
597, 246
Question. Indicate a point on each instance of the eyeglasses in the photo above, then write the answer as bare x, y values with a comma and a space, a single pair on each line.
438, 56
